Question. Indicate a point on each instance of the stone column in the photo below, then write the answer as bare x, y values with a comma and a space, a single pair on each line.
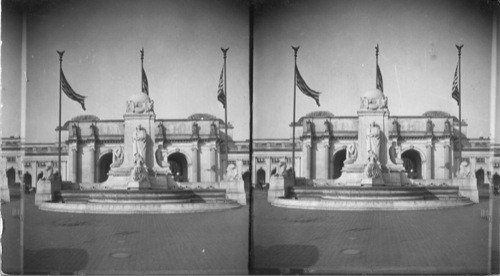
473, 166
194, 165
91, 163
447, 164
324, 156
213, 164
428, 162
306, 159
73, 163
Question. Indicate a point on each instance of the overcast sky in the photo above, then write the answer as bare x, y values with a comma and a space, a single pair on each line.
102, 40
337, 42
182, 41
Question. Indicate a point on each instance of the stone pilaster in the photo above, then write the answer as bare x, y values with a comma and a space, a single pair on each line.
213, 164
473, 166
91, 162
323, 160
306, 159
428, 163
73, 163
194, 164
447, 161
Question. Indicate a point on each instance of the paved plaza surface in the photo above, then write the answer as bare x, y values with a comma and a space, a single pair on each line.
448, 241
286, 241
61, 243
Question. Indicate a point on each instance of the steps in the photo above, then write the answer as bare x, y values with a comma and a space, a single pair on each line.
141, 201
372, 198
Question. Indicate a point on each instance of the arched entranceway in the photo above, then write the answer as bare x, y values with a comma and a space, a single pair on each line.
27, 181
338, 163
480, 177
11, 176
104, 165
178, 166
246, 179
412, 163
261, 177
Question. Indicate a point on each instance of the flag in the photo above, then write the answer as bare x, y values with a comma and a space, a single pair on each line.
380, 82
301, 84
145, 86
455, 94
66, 88
221, 95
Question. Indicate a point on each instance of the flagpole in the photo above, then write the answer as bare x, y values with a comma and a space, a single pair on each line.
295, 49
376, 64
61, 53
224, 51
142, 69
459, 48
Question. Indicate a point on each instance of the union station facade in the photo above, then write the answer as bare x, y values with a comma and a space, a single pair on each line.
195, 151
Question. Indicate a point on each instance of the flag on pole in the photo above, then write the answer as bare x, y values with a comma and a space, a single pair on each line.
66, 88
455, 94
301, 84
221, 94
380, 82
145, 86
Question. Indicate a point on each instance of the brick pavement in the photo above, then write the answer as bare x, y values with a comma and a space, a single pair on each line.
285, 241
60, 243
381, 242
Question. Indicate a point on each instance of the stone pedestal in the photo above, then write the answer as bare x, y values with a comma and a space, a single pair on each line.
380, 118
370, 182
235, 190
467, 188
139, 185
46, 189
276, 188
132, 122
373, 123
4, 187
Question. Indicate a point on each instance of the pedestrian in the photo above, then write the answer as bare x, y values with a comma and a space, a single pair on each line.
496, 184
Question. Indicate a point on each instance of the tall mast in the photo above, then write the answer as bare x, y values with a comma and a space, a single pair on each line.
459, 48
142, 70
295, 50
61, 53
224, 51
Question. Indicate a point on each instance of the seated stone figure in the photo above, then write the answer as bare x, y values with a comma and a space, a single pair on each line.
282, 168
352, 154
464, 171
231, 172
48, 174
117, 157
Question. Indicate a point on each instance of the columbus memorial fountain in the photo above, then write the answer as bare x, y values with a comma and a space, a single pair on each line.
139, 182
373, 176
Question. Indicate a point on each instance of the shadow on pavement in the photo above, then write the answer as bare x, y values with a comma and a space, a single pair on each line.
276, 259
55, 261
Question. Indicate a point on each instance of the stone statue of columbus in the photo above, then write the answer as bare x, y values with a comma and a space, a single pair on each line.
373, 140
139, 147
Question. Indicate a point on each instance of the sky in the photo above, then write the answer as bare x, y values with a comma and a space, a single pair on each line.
102, 40
337, 42
183, 61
